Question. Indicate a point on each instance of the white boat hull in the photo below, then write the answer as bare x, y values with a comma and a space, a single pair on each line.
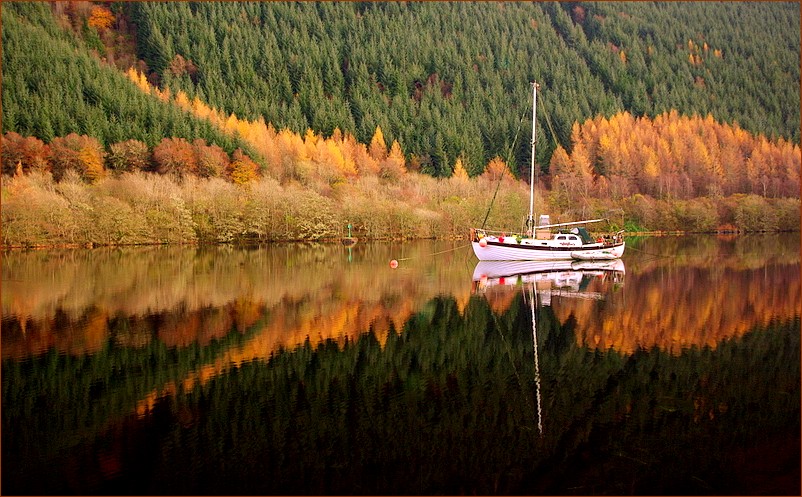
501, 251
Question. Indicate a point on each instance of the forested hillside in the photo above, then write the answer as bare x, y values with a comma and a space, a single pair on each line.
443, 79
291, 120
53, 85
446, 79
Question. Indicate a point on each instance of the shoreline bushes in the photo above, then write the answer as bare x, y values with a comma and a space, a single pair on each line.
143, 208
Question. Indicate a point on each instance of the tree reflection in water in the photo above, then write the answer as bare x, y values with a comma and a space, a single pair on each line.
164, 376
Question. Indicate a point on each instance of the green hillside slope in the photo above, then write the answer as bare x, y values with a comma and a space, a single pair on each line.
52, 86
446, 79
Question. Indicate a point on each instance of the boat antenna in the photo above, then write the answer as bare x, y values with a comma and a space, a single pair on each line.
530, 222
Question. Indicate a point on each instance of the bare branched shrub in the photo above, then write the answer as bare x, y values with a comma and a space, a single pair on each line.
32, 215
220, 206
159, 200
263, 209
115, 223
310, 216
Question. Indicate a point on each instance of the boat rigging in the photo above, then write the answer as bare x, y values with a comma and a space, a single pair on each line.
540, 242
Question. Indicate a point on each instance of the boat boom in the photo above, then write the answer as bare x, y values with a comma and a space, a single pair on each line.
573, 223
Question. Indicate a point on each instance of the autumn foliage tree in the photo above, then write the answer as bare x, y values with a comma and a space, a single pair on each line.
393, 167
130, 155
242, 170
496, 170
82, 154
378, 147
459, 170
29, 153
211, 160
180, 66
100, 18
175, 156
574, 173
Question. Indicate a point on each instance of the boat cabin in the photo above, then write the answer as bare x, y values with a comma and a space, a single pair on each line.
568, 240
583, 234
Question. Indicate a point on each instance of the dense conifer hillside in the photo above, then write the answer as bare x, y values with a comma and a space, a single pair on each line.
444, 79
53, 84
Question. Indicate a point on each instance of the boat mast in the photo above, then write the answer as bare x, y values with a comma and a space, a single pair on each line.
530, 223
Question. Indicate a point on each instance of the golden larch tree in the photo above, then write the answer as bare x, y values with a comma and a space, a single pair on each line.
242, 169
378, 147
459, 170
497, 169
394, 166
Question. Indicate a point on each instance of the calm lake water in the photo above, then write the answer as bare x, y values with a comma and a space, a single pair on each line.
318, 369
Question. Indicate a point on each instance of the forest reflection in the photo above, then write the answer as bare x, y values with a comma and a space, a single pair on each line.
140, 370
678, 293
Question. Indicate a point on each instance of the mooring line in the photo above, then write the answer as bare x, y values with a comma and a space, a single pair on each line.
437, 253
652, 254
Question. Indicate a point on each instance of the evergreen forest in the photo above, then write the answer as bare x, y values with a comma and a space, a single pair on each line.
658, 110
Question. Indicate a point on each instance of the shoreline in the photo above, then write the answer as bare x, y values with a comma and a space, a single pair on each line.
362, 239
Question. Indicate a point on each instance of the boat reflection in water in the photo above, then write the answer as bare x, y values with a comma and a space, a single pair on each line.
539, 281
575, 279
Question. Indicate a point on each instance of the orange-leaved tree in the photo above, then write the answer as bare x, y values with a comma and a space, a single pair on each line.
497, 169
242, 169
83, 154
30, 153
210, 160
100, 18
378, 147
175, 156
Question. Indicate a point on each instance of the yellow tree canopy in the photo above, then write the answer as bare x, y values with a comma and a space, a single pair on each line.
101, 18
497, 169
378, 147
459, 170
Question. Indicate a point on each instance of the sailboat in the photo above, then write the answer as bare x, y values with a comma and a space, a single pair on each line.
546, 242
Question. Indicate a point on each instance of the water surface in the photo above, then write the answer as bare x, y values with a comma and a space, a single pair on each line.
318, 369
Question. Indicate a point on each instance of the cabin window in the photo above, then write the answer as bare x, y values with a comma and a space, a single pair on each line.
561, 237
